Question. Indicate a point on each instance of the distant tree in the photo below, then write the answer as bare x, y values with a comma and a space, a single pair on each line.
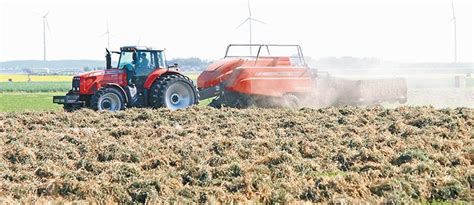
87, 69
27, 71
190, 64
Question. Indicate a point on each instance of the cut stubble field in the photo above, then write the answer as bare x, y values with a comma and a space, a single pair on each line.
407, 154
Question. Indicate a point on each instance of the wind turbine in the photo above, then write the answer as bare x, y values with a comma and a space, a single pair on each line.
45, 24
107, 32
139, 39
249, 19
455, 34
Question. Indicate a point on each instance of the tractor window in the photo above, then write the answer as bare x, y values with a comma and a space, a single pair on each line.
154, 58
160, 59
144, 64
125, 58
144, 59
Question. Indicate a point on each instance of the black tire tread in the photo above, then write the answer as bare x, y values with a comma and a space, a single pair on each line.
157, 90
95, 98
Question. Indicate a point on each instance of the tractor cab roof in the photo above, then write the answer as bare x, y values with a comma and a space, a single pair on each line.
139, 48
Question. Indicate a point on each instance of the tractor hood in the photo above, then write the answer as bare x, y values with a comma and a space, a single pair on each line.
91, 81
100, 73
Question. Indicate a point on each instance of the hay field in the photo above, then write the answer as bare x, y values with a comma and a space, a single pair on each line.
268, 155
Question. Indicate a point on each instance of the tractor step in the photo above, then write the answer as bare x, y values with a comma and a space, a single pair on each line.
132, 94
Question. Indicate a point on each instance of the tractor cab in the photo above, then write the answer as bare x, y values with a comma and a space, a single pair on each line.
139, 63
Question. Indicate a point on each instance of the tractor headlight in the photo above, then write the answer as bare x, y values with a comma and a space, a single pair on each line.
76, 81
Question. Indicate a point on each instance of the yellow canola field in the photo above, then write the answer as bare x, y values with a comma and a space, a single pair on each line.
34, 78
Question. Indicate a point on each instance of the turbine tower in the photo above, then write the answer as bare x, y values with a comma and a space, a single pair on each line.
455, 34
249, 19
107, 32
45, 24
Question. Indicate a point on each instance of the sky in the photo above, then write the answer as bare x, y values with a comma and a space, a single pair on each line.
392, 30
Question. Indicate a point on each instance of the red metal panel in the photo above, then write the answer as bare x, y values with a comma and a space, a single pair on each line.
94, 80
271, 81
154, 75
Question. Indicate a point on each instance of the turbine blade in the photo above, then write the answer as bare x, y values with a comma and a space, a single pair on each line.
247, 19
101, 35
256, 20
250, 11
47, 25
46, 14
454, 13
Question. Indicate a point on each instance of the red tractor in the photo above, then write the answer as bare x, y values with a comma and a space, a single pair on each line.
142, 78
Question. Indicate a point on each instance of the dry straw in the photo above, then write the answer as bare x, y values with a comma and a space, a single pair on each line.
207, 155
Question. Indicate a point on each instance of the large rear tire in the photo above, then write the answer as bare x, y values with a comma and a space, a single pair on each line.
173, 91
108, 99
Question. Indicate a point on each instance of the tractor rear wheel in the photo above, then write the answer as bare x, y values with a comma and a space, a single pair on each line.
173, 91
108, 98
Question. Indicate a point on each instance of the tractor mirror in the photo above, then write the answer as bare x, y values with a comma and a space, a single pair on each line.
175, 65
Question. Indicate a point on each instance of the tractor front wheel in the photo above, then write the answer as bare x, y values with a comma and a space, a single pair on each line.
108, 98
173, 91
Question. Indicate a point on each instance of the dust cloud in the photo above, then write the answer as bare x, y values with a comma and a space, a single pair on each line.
422, 86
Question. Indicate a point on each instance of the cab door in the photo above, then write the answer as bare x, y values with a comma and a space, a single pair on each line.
145, 64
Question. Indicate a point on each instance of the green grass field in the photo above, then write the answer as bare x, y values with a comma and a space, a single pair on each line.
20, 102
41, 101
32, 87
